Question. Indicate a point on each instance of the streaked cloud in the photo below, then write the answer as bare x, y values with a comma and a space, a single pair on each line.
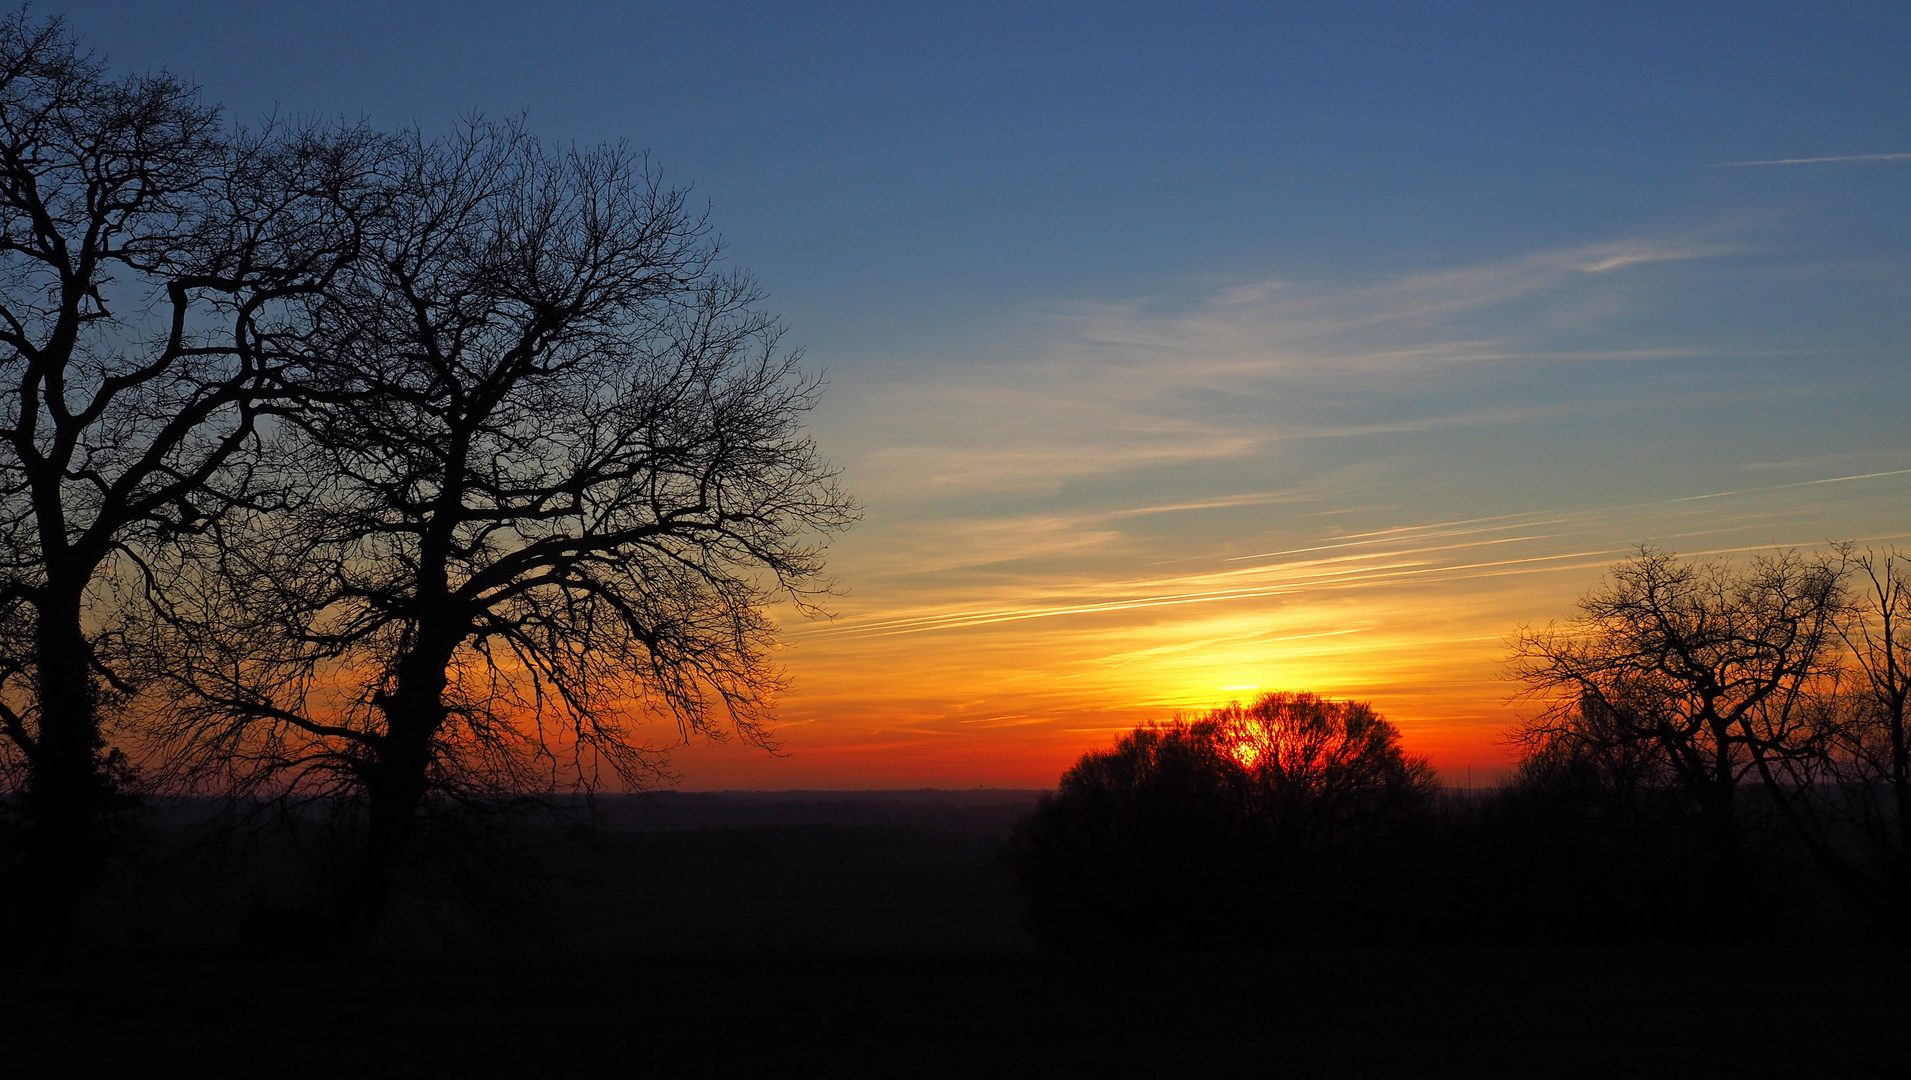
1390, 324
1811, 160
1229, 372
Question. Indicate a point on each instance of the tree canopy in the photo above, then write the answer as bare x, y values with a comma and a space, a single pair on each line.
545, 473
383, 467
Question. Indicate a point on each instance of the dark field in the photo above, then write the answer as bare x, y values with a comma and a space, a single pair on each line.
902, 873
877, 934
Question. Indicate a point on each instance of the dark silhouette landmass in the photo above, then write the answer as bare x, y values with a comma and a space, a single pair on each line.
879, 933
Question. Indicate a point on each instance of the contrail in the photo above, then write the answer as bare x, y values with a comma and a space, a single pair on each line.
1355, 561
1812, 160
1355, 577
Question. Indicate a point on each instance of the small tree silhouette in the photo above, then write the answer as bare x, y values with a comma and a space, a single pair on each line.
1275, 807
1321, 773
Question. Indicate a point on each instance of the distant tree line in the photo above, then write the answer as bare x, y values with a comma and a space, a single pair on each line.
364, 469
1717, 755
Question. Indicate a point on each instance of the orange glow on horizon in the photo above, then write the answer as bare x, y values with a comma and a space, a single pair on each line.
1005, 681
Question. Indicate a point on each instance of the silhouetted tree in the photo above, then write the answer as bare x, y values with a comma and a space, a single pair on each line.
1270, 812
1869, 766
1714, 669
1319, 772
145, 258
547, 473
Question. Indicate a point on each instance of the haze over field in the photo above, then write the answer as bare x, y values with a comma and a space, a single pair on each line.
1179, 355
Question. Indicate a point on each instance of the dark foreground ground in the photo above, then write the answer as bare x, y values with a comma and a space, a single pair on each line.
1303, 1015
865, 935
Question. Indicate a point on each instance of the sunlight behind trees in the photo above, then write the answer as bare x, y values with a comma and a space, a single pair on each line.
1277, 807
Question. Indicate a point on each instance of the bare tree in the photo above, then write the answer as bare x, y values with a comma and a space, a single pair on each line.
144, 258
546, 477
1716, 669
1870, 762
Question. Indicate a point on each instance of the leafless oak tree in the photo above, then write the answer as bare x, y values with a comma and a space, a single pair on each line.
547, 474
145, 257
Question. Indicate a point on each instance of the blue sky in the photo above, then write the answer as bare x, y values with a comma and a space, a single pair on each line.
929, 160
1115, 300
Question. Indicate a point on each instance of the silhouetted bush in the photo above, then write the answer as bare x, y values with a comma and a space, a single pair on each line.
1257, 824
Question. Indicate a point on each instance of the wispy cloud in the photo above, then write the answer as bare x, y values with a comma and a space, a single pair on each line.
1811, 160
1295, 325
1447, 549
1230, 374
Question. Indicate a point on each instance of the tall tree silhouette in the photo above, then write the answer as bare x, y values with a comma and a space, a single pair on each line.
544, 481
145, 259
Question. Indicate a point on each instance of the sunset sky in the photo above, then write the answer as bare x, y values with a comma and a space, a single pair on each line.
1182, 351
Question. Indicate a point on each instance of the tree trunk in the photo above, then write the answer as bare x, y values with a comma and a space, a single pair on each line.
1898, 863
395, 788
1719, 818
68, 791
394, 792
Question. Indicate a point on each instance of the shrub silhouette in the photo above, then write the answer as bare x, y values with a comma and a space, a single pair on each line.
1279, 810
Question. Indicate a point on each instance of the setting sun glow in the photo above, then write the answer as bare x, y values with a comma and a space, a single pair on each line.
1001, 671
